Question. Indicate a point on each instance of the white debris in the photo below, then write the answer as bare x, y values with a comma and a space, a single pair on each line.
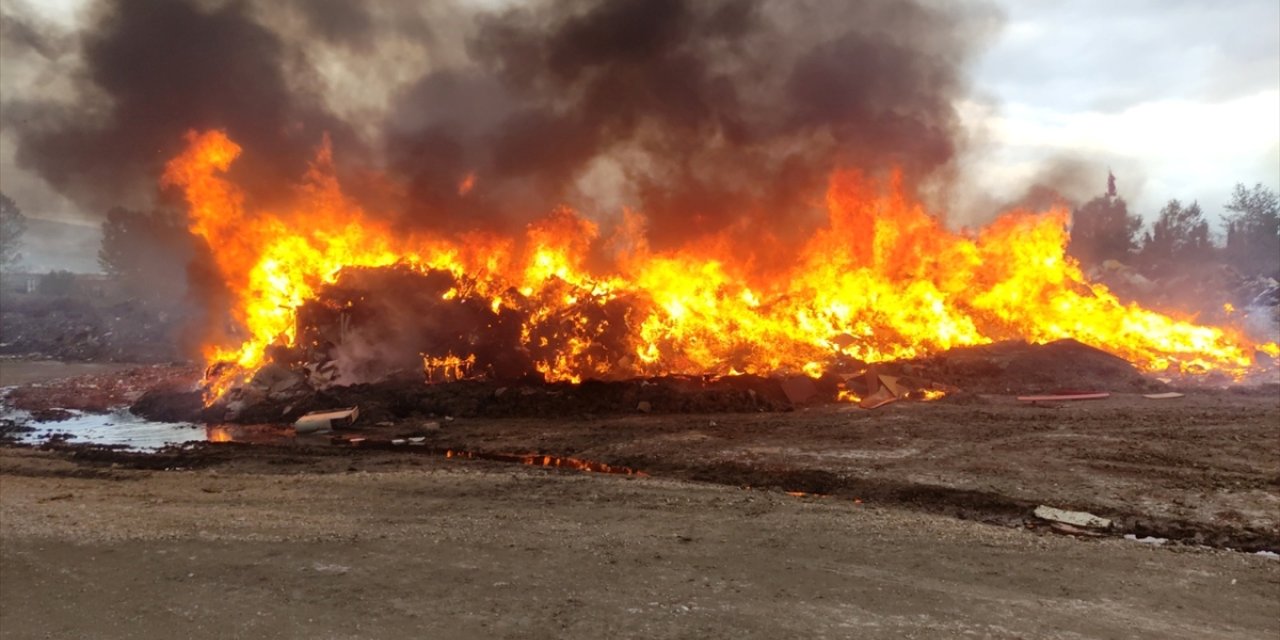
1146, 540
326, 420
1073, 518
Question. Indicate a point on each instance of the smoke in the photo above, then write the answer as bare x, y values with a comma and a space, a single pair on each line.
152, 70
710, 117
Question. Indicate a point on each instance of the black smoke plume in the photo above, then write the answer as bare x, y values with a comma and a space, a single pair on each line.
153, 70
708, 116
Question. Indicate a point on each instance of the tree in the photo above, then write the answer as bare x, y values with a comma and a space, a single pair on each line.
147, 253
1180, 234
57, 283
12, 225
1102, 229
1253, 230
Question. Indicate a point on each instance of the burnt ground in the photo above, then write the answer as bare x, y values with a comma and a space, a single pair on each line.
917, 522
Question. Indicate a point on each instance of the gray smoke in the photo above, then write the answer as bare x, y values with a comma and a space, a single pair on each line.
710, 116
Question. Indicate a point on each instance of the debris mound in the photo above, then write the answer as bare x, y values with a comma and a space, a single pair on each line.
1018, 367
277, 394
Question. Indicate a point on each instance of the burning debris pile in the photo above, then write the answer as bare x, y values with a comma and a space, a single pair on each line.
332, 292
615, 191
1218, 293
279, 394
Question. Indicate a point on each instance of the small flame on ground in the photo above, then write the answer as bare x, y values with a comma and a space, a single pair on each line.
549, 461
217, 434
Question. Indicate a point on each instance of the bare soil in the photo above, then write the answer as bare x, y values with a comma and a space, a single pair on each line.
392, 546
913, 520
15, 371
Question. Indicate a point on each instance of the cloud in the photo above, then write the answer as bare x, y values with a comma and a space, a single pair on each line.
1178, 148
1105, 55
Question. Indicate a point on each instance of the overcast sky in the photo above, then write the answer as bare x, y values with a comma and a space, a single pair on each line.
1180, 98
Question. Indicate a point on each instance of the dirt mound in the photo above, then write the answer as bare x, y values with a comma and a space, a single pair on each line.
402, 398
1018, 367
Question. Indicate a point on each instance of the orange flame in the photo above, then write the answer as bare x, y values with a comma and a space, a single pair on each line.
882, 280
467, 184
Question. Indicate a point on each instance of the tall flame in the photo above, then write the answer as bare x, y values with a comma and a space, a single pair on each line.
882, 280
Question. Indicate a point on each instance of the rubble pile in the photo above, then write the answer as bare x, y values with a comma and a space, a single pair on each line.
404, 397
102, 392
279, 393
75, 329
1017, 367
1215, 293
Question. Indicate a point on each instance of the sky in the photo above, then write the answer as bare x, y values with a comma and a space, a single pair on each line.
1180, 99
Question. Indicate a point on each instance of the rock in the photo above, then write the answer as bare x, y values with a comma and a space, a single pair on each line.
644, 407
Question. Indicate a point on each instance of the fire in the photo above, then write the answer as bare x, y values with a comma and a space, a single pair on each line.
217, 434
448, 368
883, 280
467, 183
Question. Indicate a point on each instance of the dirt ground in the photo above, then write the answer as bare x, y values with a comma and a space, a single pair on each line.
913, 520
1203, 468
412, 546
21, 372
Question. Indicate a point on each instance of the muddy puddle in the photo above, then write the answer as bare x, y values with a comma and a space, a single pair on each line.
118, 428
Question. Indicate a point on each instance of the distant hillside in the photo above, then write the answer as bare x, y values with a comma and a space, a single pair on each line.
50, 245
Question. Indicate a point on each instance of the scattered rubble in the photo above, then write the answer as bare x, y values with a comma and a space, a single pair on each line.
78, 329
280, 393
102, 392
873, 388
1202, 290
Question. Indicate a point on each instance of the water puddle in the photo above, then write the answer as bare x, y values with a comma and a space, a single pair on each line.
123, 429
119, 428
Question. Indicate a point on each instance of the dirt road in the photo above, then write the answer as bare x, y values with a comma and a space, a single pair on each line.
376, 547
